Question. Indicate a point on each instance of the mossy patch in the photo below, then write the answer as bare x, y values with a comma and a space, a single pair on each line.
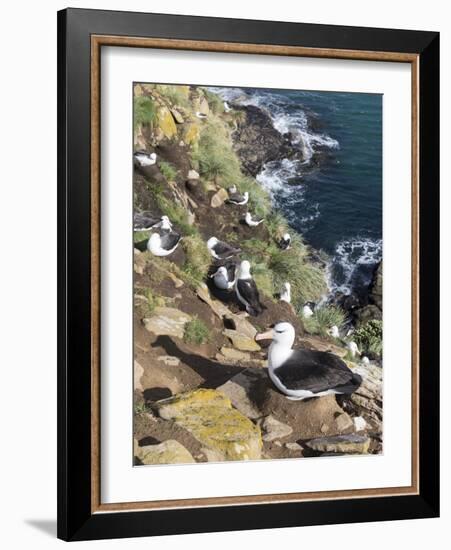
166, 122
212, 420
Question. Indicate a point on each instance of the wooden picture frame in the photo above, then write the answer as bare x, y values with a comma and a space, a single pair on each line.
81, 35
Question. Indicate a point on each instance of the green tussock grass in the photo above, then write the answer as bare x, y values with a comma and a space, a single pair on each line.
168, 170
174, 94
369, 337
140, 236
196, 332
175, 212
153, 300
277, 266
214, 155
197, 259
144, 111
259, 203
276, 224
324, 318
215, 103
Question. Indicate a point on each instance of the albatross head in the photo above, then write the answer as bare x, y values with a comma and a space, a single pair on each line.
212, 241
166, 223
221, 271
245, 270
282, 334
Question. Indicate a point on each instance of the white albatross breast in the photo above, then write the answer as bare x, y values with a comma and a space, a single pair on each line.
143, 158
250, 220
224, 278
163, 244
301, 374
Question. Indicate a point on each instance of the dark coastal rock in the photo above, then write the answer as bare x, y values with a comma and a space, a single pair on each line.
367, 313
257, 142
369, 306
376, 287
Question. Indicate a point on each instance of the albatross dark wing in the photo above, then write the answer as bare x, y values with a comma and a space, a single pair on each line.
143, 220
169, 240
248, 291
317, 371
224, 250
235, 198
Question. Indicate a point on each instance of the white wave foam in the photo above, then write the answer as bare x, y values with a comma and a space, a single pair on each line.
294, 122
275, 175
350, 256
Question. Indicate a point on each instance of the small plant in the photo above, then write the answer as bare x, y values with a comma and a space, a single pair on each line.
259, 202
140, 408
175, 212
168, 170
196, 332
214, 155
369, 337
197, 260
215, 103
175, 95
144, 111
324, 318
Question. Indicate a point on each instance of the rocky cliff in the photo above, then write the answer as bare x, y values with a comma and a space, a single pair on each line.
202, 392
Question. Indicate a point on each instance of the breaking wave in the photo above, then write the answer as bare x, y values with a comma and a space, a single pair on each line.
353, 263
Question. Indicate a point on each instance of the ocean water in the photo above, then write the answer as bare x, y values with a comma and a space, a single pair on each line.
334, 197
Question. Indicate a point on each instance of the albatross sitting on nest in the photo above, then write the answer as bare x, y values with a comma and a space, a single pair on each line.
247, 291
301, 373
163, 243
238, 198
250, 220
144, 221
224, 278
285, 242
143, 158
221, 250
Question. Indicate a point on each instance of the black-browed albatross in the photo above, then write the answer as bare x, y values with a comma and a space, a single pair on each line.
247, 291
301, 373
221, 250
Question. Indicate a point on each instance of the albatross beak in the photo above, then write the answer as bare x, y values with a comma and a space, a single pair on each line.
268, 335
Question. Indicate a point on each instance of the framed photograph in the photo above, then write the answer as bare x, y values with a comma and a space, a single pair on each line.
248, 274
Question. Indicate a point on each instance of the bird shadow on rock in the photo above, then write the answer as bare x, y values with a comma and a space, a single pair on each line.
155, 394
213, 373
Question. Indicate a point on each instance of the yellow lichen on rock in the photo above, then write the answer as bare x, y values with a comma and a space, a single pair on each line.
168, 452
191, 132
212, 420
166, 122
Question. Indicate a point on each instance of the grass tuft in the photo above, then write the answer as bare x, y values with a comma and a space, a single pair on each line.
324, 318
215, 103
214, 155
197, 260
196, 332
369, 337
144, 111
168, 170
174, 94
